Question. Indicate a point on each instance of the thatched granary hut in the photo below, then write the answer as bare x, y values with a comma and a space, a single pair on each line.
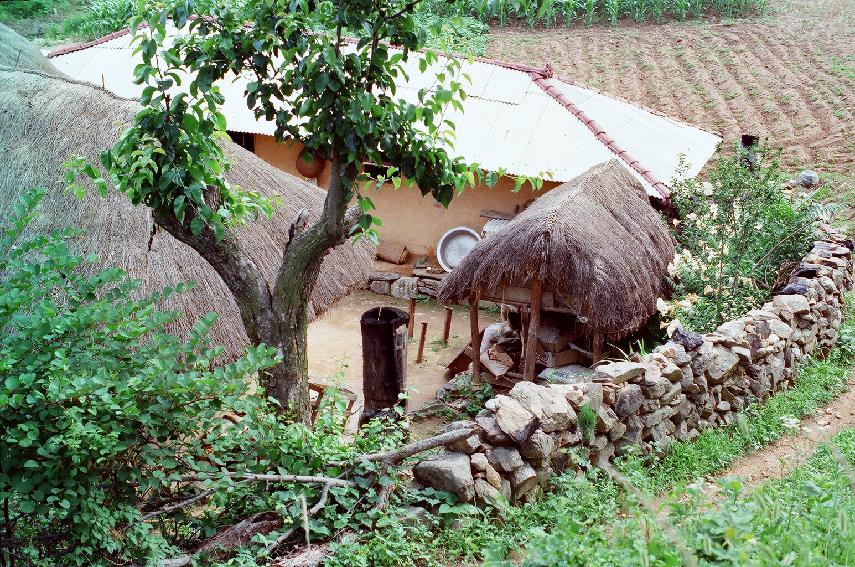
46, 118
592, 249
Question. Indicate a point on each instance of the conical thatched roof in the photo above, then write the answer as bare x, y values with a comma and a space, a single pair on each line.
595, 242
46, 118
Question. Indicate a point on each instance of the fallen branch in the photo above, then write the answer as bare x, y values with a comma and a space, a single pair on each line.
253, 477
398, 455
177, 505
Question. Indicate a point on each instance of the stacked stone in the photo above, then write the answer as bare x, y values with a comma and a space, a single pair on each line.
689, 384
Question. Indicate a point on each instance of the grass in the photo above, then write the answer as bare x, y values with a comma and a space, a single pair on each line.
587, 519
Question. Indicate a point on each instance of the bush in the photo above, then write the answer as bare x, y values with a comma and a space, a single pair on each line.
736, 235
100, 18
19, 9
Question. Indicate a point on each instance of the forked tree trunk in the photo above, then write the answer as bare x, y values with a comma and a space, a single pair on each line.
277, 317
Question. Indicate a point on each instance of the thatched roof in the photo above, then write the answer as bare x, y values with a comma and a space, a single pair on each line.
595, 242
46, 118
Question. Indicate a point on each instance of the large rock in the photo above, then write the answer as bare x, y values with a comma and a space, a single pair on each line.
539, 446
494, 435
514, 420
618, 372
628, 400
380, 286
794, 304
447, 471
689, 340
405, 288
523, 480
505, 458
656, 386
486, 492
721, 364
549, 405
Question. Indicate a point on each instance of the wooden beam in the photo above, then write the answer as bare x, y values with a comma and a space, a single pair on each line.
411, 324
446, 326
420, 356
475, 339
533, 327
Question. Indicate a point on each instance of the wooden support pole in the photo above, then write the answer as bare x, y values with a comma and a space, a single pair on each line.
475, 334
420, 356
411, 324
533, 327
446, 327
598, 347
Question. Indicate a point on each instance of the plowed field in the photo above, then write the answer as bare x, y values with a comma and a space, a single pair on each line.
789, 77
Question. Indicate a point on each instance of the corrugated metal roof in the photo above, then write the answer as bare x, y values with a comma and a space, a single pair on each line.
515, 118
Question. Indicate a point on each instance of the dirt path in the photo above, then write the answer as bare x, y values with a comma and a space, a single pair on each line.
779, 458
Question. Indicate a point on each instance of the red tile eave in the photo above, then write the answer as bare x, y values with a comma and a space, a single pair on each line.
86, 45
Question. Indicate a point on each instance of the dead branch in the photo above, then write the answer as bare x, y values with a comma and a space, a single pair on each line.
398, 455
252, 477
314, 510
177, 505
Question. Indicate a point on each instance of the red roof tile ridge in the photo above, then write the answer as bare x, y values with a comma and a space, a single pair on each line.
541, 80
87, 44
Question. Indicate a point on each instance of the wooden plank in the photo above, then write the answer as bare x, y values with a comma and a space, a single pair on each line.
521, 295
533, 327
475, 340
428, 275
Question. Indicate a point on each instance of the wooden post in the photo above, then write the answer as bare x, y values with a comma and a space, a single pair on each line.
475, 334
411, 324
420, 356
446, 327
533, 327
598, 347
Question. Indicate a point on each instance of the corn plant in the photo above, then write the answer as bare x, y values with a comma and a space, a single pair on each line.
638, 9
590, 5
681, 8
658, 9
697, 8
569, 14
547, 13
613, 9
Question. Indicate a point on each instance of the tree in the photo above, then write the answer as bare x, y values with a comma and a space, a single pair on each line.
334, 95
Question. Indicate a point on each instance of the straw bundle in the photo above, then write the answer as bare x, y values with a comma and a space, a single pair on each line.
46, 118
595, 242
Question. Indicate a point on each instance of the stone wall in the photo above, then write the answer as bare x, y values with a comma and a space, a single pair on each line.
689, 384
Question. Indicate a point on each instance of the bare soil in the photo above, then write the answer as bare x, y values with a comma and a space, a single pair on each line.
789, 77
779, 458
335, 344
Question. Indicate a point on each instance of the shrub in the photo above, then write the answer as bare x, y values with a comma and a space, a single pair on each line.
735, 234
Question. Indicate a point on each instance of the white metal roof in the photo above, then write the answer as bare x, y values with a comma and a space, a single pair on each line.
512, 120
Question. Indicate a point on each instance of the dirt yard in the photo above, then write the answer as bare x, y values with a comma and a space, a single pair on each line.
789, 77
335, 344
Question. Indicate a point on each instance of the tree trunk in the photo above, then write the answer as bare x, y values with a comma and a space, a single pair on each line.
277, 317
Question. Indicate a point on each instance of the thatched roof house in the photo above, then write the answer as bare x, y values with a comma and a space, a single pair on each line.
596, 245
46, 118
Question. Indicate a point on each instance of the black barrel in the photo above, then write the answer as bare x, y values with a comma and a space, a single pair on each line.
384, 357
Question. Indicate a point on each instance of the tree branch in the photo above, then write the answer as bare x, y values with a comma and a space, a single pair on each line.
252, 477
398, 455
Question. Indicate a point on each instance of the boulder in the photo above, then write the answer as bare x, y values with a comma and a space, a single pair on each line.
504, 458
467, 446
479, 461
539, 446
794, 304
656, 387
618, 372
606, 419
523, 481
380, 286
447, 471
689, 340
404, 288
514, 420
675, 352
487, 492
494, 435
549, 405
721, 364
628, 400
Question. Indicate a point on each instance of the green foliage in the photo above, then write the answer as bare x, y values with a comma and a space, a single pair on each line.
550, 12
466, 398
99, 408
587, 422
453, 34
100, 18
105, 417
736, 233
19, 9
